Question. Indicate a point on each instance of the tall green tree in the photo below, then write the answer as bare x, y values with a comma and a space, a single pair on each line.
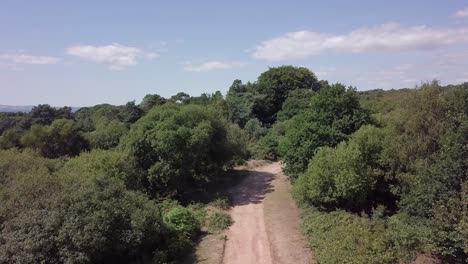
178, 146
298, 101
130, 113
239, 100
274, 86
151, 100
335, 113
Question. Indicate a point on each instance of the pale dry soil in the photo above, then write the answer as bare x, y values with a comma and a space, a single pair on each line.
266, 226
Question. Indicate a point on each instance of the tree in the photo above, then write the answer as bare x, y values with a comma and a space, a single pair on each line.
181, 97
178, 146
335, 113
347, 176
14, 121
46, 218
10, 139
107, 134
81, 213
130, 113
274, 86
151, 100
44, 114
104, 163
61, 138
88, 117
255, 129
239, 100
427, 155
297, 102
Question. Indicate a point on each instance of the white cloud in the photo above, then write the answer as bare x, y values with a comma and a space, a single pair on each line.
386, 37
211, 66
20, 58
116, 56
462, 12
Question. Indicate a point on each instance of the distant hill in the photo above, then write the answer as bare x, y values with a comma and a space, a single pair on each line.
23, 108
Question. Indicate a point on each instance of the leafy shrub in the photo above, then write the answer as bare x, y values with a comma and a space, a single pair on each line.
219, 221
237, 140
341, 237
182, 220
345, 176
54, 219
266, 147
199, 211
255, 129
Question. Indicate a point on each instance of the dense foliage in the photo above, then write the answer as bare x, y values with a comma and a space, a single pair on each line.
413, 168
178, 146
92, 186
382, 176
264, 98
334, 114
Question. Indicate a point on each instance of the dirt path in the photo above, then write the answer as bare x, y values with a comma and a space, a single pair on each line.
266, 221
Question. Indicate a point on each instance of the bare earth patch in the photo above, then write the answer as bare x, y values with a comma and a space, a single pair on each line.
283, 223
266, 226
266, 221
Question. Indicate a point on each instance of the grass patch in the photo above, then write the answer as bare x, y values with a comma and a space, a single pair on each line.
221, 203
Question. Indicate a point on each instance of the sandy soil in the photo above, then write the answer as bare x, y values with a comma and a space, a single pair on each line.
283, 224
266, 221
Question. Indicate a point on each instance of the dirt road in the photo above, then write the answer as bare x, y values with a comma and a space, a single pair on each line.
266, 221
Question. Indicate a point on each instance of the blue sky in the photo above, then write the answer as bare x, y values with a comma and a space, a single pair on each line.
83, 53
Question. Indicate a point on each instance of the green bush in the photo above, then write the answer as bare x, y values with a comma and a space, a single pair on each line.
255, 129
182, 220
266, 147
345, 176
48, 218
341, 237
219, 221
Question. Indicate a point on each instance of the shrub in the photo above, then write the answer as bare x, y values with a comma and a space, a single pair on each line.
266, 147
86, 220
255, 129
345, 176
182, 220
219, 221
341, 237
